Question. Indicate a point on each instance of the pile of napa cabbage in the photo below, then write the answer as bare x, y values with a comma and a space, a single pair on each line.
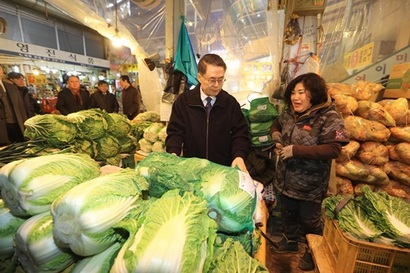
101, 135
60, 219
373, 216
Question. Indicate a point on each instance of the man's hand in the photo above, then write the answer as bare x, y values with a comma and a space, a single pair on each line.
286, 152
238, 161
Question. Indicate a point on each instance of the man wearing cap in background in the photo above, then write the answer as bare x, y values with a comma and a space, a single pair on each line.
12, 112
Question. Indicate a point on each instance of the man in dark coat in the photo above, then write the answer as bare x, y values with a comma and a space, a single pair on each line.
207, 122
18, 79
103, 99
12, 112
73, 98
131, 98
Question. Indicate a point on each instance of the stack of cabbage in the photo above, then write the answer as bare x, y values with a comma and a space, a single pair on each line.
103, 136
150, 132
61, 214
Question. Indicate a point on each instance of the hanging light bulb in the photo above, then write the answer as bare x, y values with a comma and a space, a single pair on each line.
116, 40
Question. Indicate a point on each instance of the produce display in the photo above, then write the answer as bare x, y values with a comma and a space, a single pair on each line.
373, 216
127, 220
378, 154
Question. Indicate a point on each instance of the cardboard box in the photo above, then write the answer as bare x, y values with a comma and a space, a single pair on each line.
398, 85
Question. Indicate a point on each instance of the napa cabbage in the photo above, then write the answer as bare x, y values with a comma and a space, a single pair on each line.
57, 130
151, 132
352, 218
29, 186
231, 257
91, 124
85, 215
98, 263
106, 146
9, 224
118, 125
174, 235
36, 249
231, 194
392, 214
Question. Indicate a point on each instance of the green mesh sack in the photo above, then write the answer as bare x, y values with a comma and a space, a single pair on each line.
260, 128
261, 110
260, 141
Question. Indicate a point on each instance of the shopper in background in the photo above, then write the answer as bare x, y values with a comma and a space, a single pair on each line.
308, 135
103, 99
12, 112
72, 98
131, 98
220, 134
19, 80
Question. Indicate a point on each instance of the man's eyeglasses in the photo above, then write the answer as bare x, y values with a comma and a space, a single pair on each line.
214, 81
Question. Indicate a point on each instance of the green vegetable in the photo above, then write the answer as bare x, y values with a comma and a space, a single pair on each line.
118, 125
99, 263
151, 133
9, 224
174, 235
57, 130
91, 124
158, 146
230, 193
36, 249
352, 218
392, 214
106, 146
29, 186
145, 145
85, 215
231, 257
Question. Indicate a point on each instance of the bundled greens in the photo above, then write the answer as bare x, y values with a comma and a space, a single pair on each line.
85, 215
29, 186
174, 235
36, 249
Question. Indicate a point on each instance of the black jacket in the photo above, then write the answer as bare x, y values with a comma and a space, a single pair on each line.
67, 103
221, 138
107, 102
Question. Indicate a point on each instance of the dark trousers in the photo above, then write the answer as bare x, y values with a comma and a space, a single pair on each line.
14, 133
300, 218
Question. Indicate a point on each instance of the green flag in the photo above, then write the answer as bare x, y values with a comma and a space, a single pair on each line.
185, 61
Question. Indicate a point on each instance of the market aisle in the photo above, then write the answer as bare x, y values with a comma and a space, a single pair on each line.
284, 263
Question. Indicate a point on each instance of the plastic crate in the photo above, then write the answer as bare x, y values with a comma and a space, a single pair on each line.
348, 255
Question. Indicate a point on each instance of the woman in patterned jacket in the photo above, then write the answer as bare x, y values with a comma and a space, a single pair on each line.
308, 134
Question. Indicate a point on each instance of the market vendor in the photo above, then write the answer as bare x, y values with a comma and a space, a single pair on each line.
207, 122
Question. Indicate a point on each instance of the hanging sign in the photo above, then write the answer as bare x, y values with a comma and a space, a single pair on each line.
50, 54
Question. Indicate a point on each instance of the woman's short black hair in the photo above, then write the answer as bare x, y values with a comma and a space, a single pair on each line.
312, 82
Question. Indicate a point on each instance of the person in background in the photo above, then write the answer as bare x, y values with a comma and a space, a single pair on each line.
103, 99
72, 98
309, 133
220, 134
131, 98
19, 80
12, 112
